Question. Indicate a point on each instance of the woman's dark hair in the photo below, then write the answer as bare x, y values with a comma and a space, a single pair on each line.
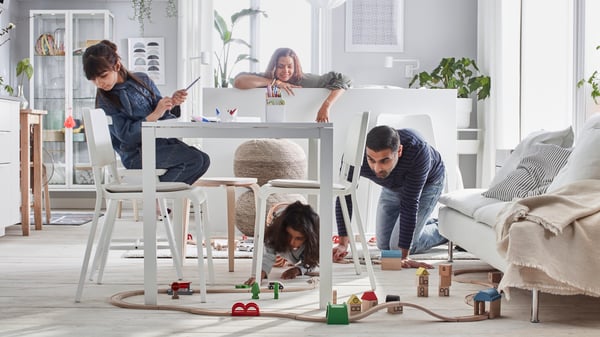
383, 137
103, 57
301, 218
283, 52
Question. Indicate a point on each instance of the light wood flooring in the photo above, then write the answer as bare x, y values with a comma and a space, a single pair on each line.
39, 274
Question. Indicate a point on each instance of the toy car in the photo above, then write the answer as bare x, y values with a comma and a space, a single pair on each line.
246, 245
272, 285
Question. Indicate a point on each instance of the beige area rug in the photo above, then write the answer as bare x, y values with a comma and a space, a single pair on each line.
436, 253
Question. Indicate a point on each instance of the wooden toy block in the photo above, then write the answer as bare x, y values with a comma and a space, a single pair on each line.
445, 281
445, 269
396, 309
423, 280
490, 295
354, 305
369, 300
337, 314
422, 291
444, 291
495, 277
391, 264
391, 260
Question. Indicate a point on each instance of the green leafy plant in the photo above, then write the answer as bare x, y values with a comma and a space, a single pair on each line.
223, 71
24, 68
594, 82
142, 10
461, 74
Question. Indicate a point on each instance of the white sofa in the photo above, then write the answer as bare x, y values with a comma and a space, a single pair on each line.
467, 218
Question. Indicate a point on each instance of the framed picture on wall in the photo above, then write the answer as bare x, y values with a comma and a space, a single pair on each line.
147, 55
375, 26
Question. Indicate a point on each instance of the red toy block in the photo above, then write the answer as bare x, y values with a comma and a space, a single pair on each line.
241, 309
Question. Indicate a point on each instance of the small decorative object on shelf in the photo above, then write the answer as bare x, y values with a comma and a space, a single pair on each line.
24, 68
23, 103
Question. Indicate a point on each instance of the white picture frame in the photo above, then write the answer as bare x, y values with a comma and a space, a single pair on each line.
147, 55
375, 26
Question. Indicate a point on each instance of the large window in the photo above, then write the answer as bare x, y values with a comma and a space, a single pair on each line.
288, 25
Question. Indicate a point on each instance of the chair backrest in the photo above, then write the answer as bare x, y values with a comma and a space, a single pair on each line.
102, 154
354, 148
421, 123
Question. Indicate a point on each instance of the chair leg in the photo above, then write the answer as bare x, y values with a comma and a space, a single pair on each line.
350, 233
199, 239
136, 212
178, 218
203, 214
259, 237
109, 224
119, 208
102, 243
365, 244
88, 249
46, 195
231, 226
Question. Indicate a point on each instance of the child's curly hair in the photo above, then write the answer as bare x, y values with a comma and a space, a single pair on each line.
299, 217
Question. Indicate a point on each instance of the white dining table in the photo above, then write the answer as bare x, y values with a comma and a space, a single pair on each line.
320, 166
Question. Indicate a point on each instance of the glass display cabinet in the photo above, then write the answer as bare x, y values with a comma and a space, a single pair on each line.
58, 39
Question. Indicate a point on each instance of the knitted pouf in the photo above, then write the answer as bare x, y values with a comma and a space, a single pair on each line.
245, 211
266, 159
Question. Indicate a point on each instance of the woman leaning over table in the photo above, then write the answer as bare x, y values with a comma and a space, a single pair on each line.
285, 72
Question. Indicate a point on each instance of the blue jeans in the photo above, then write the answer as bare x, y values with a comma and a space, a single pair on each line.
426, 234
184, 163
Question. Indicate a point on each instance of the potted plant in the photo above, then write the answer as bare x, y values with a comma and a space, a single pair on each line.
462, 75
142, 10
594, 82
223, 71
24, 68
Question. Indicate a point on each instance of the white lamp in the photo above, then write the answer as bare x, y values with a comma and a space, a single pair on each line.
409, 69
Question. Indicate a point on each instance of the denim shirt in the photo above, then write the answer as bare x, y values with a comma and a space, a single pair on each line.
136, 103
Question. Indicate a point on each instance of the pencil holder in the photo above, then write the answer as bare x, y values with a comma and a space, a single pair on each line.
275, 109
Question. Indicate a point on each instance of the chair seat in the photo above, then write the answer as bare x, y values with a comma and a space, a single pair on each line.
160, 187
296, 183
227, 181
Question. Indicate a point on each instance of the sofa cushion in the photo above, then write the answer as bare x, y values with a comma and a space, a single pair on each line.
534, 173
488, 214
584, 162
562, 138
466, 201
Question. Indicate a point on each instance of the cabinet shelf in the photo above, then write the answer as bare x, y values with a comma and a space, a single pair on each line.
59, 87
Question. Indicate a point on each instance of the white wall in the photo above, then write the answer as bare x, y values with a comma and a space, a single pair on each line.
433, 29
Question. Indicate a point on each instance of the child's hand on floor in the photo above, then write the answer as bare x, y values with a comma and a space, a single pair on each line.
291, 273
251, 280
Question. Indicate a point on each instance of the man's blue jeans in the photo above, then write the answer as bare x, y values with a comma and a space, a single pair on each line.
426, 234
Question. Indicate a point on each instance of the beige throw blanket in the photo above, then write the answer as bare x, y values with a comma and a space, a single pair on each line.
552, 242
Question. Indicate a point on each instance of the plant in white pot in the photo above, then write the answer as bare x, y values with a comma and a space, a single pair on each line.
594, 82
460, 74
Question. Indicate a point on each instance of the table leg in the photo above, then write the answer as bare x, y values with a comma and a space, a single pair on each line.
25, 172
37, 175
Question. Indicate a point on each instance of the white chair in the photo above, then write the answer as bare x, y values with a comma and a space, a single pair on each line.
421, 123
352, 157
110, 188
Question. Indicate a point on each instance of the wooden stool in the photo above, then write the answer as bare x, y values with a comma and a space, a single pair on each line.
230, 184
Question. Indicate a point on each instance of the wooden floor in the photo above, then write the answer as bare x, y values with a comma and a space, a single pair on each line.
39, 274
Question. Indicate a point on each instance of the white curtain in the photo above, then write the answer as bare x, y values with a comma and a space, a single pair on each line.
498, 55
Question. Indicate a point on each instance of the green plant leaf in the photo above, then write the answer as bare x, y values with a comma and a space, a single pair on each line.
246, 12
460, 74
